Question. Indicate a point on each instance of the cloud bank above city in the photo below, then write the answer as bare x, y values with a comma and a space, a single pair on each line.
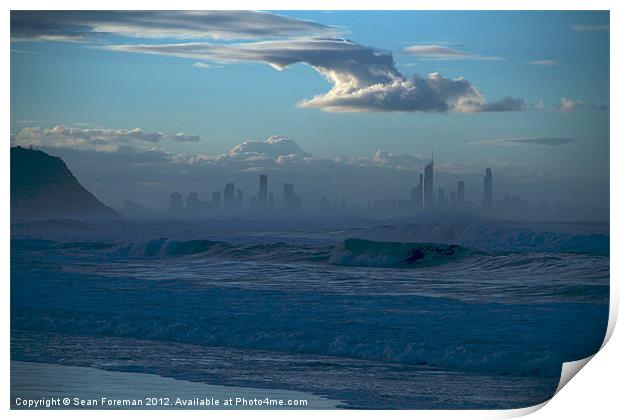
99, 139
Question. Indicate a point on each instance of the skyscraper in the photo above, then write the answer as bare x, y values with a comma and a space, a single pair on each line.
417, 200
442, 201
487, 200
429, 198
176, 202
192, 202
229, 195
261, 197
291, 201
239, 200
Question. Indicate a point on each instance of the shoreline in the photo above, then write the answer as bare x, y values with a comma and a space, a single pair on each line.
54, 386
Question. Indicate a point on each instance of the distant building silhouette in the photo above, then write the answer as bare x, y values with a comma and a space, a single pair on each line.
453, 203
176, 203
229, 195
325, 204
191, 202
429, 197
487, 199
291, 200
271, 201
442, 201
417, 199
263, 191
239, 200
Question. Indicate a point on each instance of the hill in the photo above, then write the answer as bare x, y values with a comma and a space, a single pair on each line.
42, 187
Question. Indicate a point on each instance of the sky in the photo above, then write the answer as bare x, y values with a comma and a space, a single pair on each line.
344, 103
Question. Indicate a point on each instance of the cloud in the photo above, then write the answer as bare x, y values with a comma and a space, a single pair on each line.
363, 78
589, 28
182, 137
507, 104
206, 66
274, 147
406, 160
436, 51
80, 26
98, 139
540, 105
441, 52
545, 62
524, 141
569, 105
279, 152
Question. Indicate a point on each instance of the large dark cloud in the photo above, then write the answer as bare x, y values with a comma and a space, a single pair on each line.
363, 78
87, 25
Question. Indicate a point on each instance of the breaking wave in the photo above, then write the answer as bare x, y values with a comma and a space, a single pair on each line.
365, 253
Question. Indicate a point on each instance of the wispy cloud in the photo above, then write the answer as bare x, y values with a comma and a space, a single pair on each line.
80, 26
183, 137
527, 141
545, 62
206, 66
442, 52
436, 51
589, 28
363, 78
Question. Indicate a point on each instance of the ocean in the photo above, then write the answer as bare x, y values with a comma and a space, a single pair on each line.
394, 315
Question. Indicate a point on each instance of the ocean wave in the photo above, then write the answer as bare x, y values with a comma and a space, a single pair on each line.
515, 339
365, 253
496, 236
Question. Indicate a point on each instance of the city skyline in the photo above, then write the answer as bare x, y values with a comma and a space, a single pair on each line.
422, 201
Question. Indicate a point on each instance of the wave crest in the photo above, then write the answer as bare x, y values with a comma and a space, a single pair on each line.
365, 253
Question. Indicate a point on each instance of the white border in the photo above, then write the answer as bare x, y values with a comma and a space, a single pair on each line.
593, 394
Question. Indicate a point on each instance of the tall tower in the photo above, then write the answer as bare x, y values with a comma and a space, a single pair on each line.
429, 197
239, 200
229, 195
487, 199
176, 202
261, 197
291, 201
